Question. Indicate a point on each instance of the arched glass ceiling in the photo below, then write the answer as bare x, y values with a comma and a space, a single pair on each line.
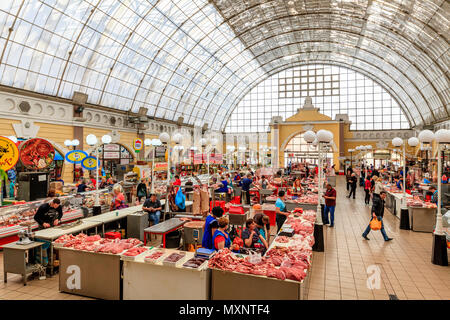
198, 58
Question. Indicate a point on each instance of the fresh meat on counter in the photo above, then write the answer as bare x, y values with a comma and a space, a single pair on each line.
155, 255
174, 257
282, 239
135, 251
194, 263
225, 260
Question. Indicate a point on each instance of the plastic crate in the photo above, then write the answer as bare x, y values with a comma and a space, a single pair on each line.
113, 235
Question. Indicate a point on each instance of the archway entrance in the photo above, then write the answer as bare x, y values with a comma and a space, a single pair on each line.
297, 150
112, 157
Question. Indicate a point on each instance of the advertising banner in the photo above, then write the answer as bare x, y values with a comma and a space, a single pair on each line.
9, 154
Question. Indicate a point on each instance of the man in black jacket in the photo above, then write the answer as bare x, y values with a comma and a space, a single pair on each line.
353, 180
378, 213
49, 214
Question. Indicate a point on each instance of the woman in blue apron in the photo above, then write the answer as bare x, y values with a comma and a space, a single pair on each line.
221, 238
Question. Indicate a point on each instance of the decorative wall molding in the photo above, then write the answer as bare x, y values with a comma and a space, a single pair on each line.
47, 111
26, 129
380, 135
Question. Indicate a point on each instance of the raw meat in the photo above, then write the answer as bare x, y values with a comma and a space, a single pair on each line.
155, 255
194, 263
174, 257
134, 251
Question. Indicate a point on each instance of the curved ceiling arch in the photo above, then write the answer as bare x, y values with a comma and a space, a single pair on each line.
196, 58
293, 64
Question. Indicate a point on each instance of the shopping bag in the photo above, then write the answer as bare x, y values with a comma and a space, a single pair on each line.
375, 224
196, 206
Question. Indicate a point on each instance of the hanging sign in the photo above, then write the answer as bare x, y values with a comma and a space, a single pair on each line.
36, 153
9, 154
111, 147
89, 163
160, 166
75, 156
138, 145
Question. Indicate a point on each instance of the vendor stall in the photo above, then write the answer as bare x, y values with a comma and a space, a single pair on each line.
153, 279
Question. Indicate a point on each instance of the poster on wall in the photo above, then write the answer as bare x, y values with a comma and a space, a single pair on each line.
9, 154
36, 153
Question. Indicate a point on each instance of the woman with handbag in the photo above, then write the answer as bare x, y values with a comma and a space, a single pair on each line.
141, 190
376, 223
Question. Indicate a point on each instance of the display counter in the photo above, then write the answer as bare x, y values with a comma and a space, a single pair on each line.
98, 274
156, 281
422, 219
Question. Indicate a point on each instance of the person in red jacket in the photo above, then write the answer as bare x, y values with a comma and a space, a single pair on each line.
367, 187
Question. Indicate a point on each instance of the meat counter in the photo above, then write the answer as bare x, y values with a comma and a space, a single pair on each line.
153, 279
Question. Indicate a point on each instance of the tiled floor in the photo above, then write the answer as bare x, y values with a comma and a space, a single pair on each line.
338, 273
406, 271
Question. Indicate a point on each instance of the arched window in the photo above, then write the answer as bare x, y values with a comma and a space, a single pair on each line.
333, 89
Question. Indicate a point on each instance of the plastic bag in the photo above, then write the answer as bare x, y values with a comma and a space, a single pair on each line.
254, 258
375, 224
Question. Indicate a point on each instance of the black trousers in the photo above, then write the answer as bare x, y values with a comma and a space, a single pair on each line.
367, 199
348, 186
352, 191
247, 196
280, 219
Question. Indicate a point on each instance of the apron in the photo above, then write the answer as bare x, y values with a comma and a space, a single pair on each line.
220, 233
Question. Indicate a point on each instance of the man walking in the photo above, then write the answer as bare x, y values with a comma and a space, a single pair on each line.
378, 213
330, 205
352, 181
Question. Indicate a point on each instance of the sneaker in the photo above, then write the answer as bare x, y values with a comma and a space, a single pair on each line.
365, 237
331, 225
389, 239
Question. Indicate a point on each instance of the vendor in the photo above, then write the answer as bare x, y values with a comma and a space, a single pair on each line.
434, 196
118, 199
400, 183
177, 181
103, 183
252, 237
282, 213
93, 181
264, 182
49, 214
221, 238
263, 224
153, 207
180, 200
216, 213
297, 187
224, 188
188, 185
82, 186
246, 182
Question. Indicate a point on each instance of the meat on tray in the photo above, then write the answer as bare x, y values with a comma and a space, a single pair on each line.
134, 251
194, 263
155, 255
174, 257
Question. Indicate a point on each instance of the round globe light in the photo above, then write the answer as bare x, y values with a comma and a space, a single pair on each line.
309, 136
75, 142
426, 136
147, 142
351, 150
177, 138
164, 137
106, 139
397, 142
324, 136
413, 142
315, 142
203, 142
442, 136
214, 141
368, 147
91, 140
68, 143
156, 142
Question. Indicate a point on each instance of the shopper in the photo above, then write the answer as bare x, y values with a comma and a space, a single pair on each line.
352, 181
177, 181
224, 187
251, 236
93, 181
264, 182
216, 213
221, 238
118, 199
246, 182
180, 200
378, 213
348, 177
281, 210
49, 214
367, 187
141, 190
330, 205
153, 207
103, 183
